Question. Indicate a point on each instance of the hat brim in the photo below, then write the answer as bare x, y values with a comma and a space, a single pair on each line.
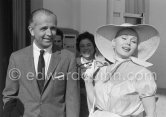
148, 40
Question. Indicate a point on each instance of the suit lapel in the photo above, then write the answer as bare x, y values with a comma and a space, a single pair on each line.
55, 59
32, 68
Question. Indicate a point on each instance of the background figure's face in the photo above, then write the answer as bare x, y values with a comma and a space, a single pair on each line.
126, 43
43, 29
58, 41
86, 48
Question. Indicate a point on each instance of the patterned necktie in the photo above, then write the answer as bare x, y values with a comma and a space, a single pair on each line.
41, 71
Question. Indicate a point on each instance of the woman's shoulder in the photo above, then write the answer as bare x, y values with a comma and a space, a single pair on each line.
138, 68
145, 82
143, 75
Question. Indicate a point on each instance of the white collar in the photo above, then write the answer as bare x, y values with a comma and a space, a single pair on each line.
36, 48
134, 60
83, 60
141, 62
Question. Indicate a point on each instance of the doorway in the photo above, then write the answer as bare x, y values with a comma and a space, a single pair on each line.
7, 42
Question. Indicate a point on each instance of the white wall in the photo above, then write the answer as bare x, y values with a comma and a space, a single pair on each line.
67, 11
63, 10
82, 15
157, 17
93, 14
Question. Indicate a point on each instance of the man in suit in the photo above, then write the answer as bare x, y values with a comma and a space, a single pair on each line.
41, 80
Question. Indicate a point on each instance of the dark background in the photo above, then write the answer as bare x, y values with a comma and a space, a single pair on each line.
7, 42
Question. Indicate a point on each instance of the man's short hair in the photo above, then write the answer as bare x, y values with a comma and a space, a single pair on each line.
37, 11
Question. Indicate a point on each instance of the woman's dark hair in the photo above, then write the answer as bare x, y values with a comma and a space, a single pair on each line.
85, 35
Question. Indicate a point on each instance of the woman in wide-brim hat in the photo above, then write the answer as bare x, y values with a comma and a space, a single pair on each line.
126, 88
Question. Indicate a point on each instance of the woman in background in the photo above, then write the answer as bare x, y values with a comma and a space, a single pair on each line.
87, 54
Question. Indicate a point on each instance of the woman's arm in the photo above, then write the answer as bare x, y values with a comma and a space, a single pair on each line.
149, 106
146, 87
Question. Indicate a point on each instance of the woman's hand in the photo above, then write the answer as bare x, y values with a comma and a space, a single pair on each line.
87, 72
88, 75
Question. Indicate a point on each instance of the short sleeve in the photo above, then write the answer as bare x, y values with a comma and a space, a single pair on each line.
145, 84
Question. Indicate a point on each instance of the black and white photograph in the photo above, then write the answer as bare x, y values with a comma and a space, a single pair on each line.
82, 58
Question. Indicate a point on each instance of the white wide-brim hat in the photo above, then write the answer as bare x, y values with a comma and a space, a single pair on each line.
148, 40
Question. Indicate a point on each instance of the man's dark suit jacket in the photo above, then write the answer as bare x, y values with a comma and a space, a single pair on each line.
60, 97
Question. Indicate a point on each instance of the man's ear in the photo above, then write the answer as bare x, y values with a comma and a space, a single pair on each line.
31, 30
113, 43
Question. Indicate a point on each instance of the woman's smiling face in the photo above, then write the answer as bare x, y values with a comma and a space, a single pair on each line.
86, 48
126, 43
